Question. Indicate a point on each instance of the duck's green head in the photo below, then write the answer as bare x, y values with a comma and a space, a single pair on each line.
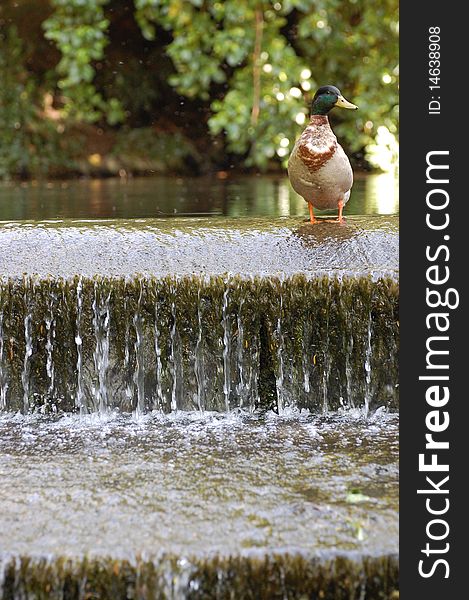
326, 98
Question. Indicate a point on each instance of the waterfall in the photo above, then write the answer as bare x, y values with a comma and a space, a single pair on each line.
199, 367
79, 397
25, 375
226, 350
101, 323
3, 374
139, 373
159, 364
50, 331
197, 343
174, 358
242, 388
280, 358
326, 356
367, 365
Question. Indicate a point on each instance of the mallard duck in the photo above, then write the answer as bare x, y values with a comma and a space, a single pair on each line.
318, 168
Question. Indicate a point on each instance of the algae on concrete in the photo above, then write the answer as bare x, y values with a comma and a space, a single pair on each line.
171, 578
207, 343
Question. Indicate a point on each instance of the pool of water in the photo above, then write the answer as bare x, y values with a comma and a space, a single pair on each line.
172, 196
195, 484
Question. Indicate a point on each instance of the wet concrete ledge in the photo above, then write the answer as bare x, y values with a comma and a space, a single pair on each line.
248, 247
269, 577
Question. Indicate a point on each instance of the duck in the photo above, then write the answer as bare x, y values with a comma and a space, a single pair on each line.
318, 168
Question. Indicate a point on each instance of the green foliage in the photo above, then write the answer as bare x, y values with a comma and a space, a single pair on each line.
355, 45
301, 44
29, 143
78, 27
142, 150
250, 67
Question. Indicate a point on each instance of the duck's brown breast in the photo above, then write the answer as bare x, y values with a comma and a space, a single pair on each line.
317, 144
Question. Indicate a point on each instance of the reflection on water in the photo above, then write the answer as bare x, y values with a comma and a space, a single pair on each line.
166, 196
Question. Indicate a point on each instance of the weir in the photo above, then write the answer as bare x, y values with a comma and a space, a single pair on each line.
195, 343
95, 317
199, 408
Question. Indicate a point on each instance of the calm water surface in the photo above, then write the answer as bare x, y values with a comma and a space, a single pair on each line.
167, 196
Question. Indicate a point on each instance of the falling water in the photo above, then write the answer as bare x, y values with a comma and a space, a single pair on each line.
80, 397
199, 366
101, 322
348, 370
139, 372
367, 365
3, 378
173, 359
25, 379
28, 338
176, 368
50, 337
211, 345
226, 350
327, 360
159, 364
279, 380
128, 380
306, 360
242, 388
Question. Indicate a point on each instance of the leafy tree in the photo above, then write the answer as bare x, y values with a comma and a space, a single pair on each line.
251, 66
268, 55
29, 143
78, 27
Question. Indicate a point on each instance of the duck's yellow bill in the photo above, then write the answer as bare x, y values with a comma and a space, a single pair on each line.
343, 103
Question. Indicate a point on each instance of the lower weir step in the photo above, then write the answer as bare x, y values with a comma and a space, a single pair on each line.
201, 506
268, 578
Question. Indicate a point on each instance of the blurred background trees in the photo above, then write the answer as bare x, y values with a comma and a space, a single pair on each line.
193, 86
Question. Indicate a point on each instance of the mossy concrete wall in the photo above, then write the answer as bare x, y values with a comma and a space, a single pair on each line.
212, 343
264, 578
